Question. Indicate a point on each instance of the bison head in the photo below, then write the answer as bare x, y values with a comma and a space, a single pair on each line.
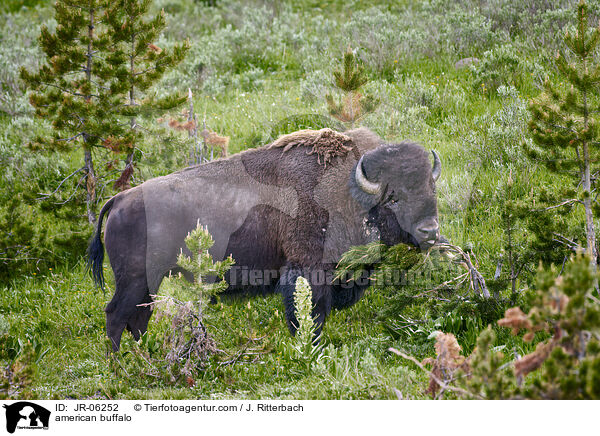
396, 184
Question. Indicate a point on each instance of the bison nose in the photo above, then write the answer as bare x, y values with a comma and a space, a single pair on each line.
429, 234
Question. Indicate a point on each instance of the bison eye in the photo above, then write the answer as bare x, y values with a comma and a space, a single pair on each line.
391, 199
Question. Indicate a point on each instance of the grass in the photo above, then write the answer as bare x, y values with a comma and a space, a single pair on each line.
64, 313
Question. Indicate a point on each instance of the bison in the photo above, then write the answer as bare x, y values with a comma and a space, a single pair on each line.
282, 211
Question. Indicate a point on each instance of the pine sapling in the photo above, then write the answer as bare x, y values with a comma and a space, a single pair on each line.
74, 88
100, 63
350, 79
515, 256
564, 317
563, 123
189, 344
565, 309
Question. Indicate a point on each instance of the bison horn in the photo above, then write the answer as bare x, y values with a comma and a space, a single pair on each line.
437, 166
363, 183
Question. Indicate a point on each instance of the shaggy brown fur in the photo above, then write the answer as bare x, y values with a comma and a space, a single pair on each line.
325, 143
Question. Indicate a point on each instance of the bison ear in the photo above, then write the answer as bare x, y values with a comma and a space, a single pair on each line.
437, 166
362, 181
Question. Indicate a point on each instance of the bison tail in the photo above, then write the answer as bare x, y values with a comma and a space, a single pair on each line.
95, 251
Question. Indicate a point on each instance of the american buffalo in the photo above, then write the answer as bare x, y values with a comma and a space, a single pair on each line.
287, 209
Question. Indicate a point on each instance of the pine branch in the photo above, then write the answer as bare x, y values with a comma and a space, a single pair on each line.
69, 139
66, 91
478, 284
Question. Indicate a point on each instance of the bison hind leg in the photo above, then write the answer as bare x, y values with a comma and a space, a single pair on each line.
124, 310
114, 328
137, 324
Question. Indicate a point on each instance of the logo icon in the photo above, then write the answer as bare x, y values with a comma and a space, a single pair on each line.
26, 415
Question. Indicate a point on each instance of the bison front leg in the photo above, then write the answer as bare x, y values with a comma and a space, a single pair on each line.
321, 295
348, 292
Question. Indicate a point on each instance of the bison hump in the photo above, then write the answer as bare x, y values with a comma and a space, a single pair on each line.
325, 143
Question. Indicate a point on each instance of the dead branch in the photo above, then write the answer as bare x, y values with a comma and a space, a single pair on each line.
71, 138
572, 245
498, 269
461, 277
477, 281
245, 351
400, 395
44, 196
440, 383
564, 203
74, 191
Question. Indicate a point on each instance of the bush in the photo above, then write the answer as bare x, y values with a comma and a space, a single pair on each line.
382, 41
501, 65
18, 47
499, 143
253, 42
28, 243
466, 33
566, 362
